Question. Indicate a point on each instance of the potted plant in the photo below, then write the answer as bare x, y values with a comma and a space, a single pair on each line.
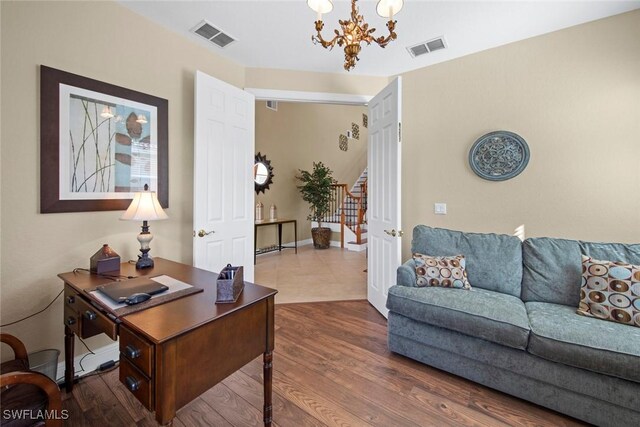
316, 190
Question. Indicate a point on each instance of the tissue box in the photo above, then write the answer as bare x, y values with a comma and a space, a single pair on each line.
230, 284
106, 260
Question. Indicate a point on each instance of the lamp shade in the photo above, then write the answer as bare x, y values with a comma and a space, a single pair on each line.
388, 8
320, 6
144, 207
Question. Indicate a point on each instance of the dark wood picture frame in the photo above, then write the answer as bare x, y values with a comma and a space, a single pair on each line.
50, 81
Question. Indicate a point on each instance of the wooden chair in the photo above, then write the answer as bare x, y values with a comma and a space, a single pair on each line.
23, 390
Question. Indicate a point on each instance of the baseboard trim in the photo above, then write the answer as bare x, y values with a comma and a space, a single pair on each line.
91, 362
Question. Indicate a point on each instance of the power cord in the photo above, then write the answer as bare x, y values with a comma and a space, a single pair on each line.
110, 276
75, 270
34, 314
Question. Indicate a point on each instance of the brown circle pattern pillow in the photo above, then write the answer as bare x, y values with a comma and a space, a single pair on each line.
610, 290
443, 271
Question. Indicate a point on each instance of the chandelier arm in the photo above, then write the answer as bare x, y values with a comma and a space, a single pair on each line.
383, 41
319, 39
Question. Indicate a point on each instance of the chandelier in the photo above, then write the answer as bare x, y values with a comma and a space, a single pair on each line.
355, 30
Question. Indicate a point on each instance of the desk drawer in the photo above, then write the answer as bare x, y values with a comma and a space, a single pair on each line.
71, 320
71, 298
93, 322
137, 350
137, 383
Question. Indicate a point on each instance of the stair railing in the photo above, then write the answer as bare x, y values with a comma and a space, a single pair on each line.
343, 200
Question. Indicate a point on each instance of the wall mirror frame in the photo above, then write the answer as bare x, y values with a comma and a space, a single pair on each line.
262, 173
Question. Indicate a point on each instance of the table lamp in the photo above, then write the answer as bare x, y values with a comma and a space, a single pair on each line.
144, 207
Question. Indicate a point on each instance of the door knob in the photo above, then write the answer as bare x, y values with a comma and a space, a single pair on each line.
394, 233
203, 233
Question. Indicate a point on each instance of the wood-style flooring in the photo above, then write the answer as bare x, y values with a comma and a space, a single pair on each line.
331, 368
332, 274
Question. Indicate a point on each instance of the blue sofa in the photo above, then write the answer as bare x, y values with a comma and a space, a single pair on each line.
517, 330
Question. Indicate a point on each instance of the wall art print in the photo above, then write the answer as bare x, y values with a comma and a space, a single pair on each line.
343, 142
498, 156
100, 143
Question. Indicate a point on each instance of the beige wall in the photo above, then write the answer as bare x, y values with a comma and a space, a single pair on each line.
293, 138
107, 42
574, 95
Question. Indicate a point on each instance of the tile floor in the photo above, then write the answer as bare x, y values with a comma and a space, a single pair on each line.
332, 274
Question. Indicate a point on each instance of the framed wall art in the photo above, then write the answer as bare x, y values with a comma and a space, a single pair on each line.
99, 143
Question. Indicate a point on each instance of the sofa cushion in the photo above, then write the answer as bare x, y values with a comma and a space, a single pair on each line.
493, 261
553, 267
493, 316
445, 271
560, 335
610, 291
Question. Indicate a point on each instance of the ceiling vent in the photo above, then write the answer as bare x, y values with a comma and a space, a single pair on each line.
427, 47
272, 105
213, 34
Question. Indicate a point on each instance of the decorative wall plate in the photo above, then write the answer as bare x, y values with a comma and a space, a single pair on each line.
498, 156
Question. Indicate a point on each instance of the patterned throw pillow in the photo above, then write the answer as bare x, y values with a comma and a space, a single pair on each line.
444, 271
610, 290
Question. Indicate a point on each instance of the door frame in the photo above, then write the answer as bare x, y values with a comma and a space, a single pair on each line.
309, 97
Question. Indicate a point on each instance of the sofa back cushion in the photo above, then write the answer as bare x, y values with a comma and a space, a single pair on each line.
493, 261
553, 267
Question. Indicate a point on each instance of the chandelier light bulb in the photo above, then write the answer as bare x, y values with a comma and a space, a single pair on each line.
320, 6
389, 8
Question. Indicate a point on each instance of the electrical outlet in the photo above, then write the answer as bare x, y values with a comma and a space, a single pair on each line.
440, 208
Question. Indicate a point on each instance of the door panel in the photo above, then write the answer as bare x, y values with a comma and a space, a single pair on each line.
223, 183
384, 192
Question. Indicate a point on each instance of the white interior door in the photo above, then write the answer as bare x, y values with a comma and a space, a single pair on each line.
223, 182
383, 215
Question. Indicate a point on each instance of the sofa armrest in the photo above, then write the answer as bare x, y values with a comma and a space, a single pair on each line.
406, 275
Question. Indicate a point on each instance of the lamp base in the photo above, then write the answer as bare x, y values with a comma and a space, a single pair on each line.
144, 260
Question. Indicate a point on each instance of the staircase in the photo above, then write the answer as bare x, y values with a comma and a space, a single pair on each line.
349, 214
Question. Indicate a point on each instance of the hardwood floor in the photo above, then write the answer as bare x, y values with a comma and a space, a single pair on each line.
331, 368
332, 274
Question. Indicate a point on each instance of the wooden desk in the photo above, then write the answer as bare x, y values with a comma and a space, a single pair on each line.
279, 223
173, 352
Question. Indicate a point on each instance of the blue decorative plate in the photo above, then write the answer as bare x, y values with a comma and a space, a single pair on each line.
498, 156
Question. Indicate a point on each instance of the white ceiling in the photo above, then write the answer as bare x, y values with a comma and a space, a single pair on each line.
277, 34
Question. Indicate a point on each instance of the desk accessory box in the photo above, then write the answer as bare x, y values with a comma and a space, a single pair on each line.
230, 284
106, 260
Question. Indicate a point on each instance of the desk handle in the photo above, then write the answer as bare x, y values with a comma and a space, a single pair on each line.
71, 300
90, 315
71, 321
131, 352
132, 383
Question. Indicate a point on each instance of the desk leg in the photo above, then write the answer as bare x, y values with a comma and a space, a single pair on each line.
279, 237
69, 372
268, 368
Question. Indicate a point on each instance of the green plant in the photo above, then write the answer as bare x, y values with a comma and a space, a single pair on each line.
316, 190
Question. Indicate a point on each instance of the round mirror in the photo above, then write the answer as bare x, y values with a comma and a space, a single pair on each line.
262, 173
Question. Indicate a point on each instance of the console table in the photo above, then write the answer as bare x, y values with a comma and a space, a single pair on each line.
279, 223
173, 352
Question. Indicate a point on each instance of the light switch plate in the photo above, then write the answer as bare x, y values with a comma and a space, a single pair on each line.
440, 208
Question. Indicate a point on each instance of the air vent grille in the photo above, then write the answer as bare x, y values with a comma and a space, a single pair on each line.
213, 34
427, 47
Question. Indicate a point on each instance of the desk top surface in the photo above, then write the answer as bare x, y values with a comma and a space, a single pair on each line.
165, 321
274, 221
